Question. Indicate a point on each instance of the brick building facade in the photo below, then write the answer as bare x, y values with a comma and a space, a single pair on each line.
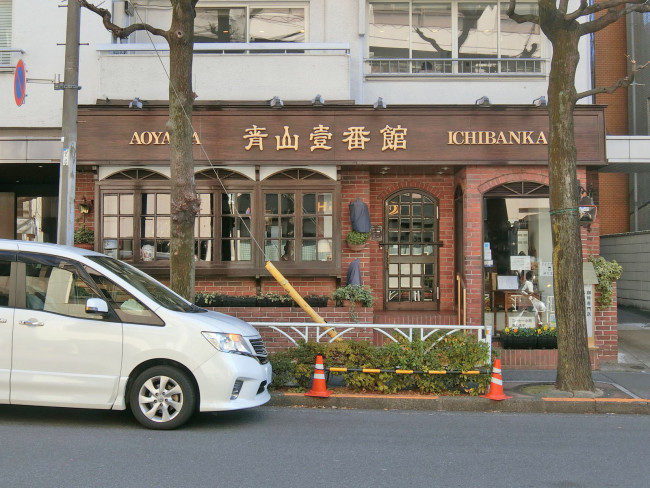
454, 178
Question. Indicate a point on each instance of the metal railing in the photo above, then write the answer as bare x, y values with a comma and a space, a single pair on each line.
455, 66
310, 331
232, 47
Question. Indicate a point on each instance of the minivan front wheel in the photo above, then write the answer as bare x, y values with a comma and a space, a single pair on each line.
162, 398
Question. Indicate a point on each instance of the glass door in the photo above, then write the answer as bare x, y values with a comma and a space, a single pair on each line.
411, 252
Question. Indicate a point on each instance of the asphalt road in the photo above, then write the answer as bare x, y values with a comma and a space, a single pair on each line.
287, 447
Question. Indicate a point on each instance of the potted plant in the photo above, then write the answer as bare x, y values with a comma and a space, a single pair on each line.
84, 238
350, 295
353, 294
357, 240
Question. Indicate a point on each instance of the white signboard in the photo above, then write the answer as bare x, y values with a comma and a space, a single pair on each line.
589, 309
522, 241
519, 263
546, 268
523, 322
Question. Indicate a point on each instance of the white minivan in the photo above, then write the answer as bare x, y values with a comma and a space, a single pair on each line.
82, 329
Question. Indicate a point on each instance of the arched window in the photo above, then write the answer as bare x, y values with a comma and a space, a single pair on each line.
290, 217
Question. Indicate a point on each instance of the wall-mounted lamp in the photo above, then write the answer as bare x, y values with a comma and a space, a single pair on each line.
379, 104
540, 102
483, 101
318, 101
384, 170
85, 207
135, 103
275, 102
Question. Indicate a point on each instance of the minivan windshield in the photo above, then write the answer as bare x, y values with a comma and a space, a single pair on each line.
146, 284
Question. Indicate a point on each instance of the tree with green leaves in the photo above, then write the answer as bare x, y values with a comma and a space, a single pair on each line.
184, 200
564, 29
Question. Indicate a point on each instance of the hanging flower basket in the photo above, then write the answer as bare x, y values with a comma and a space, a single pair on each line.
357, 240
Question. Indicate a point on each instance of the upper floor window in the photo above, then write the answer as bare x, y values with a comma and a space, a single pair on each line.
452, 37
5, 32
250, 24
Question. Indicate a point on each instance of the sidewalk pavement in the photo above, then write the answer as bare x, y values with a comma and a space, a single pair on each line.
621, 388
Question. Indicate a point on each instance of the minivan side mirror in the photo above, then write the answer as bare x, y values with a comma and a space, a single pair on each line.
96, 305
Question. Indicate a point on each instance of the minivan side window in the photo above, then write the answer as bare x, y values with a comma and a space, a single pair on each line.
58, 289
5, 275
127, 307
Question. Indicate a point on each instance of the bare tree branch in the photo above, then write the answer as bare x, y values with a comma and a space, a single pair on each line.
122, 32
599, 7
612, 16
520, 19
563, 6
620, 83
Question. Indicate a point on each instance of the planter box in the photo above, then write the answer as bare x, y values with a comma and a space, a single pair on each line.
518, 342
547, 342
528, 342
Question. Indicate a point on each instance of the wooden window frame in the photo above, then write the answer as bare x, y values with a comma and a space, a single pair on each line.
257, 189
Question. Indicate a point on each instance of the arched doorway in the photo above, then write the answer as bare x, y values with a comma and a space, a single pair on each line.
517, 246
411, 251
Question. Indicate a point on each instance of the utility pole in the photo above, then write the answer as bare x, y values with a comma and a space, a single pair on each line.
70, 87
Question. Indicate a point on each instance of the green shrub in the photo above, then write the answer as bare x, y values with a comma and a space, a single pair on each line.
458, 352
84, 235
607, 273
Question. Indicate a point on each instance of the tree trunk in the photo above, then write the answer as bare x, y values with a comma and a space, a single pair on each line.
184, 201
573, 368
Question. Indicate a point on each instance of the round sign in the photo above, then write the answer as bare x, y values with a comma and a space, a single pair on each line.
20, 80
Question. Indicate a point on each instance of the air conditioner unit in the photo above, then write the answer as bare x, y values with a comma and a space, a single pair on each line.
129, 9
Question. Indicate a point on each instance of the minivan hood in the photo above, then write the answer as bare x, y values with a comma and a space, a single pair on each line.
218, 322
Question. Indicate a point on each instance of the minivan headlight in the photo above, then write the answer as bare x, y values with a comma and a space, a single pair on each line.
228, 342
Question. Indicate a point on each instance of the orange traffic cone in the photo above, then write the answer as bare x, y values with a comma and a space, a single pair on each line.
496, 384
319, 387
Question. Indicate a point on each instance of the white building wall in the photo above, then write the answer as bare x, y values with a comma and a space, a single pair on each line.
39, 30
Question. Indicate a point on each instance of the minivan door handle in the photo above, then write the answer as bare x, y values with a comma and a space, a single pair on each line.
34, 322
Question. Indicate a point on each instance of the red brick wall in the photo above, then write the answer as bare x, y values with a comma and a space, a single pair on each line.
613, 203
84, 188
606, 331
610, 64
374, 189
355, 183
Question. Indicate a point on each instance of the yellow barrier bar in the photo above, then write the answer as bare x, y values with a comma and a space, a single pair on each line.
437, 371
470, 372
296, 296
404, 371
338, 370
369, 370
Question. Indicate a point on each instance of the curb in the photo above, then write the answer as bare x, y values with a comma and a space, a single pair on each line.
464, 403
